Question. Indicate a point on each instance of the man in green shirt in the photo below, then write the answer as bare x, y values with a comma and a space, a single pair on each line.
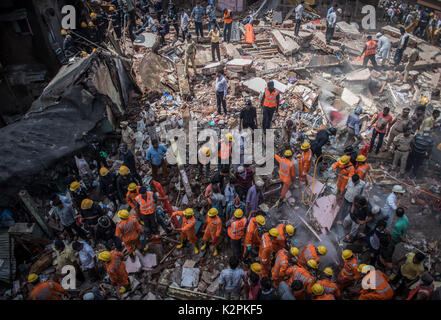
399, 232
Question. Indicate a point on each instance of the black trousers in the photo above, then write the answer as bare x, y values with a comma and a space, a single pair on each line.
227, 31
372, 58
236, 246
215, 49
414, 162
176, 26
184, 32
380, 140
329, 34
207, 169
267, 117
199, 29
220, 98
150, 223
297, 26
80, 232
249, 125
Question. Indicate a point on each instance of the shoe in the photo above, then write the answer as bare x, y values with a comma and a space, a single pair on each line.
179, 246
196, 251
122, 290
203, 247
144, 251
141, 222
215, 252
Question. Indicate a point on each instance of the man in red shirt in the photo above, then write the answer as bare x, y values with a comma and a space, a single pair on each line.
382, 123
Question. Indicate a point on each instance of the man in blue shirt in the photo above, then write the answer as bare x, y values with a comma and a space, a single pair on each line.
211, 13
155, 156
353, 127
198, 13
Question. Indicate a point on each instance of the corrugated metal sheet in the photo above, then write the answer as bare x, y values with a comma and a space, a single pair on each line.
7, 262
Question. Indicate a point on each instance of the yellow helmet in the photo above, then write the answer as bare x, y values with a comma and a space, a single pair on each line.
328, 271
123, 214
322, 250
294, 251
91, 24
93, 15
111, 8
305, 146
205, 151
317, 289
83, 24
366, 269
74, 186
256, 267
229, 136
32, 277
83, 54
93, 50
436, 32
274, 232
346, 254
132, 186
344, 160
104, 171
260, 220
123, 170
287, 153
361, 266
289, 229
212, 212
63, 32
431, 14
105, 256
86, 204
312, 263
188, 212
238, 213
424, 101
361, 158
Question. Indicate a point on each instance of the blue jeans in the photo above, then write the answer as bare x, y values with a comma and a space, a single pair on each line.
227, 31
380, 140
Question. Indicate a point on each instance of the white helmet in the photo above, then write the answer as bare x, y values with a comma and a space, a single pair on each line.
259, 183
240, 169
398, 189
339, 10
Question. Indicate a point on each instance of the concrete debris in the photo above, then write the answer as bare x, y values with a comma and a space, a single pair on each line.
359, 75
258, 85
190, 277
348, 29
349, 97
146, 39
286, 44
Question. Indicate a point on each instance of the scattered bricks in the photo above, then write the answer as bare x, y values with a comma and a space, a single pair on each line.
213, 287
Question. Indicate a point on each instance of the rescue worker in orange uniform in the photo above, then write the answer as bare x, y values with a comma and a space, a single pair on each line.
224, 152
145, 208
362, 168
48, 290
345, 170
270, 103
350, 270
378, 287
319, 293
287, 172
311, 252
281, 265
286, 231
369, 52
253, 234
116, 269
228, 22
305, 161
328, 285
213, 230
129, 231
187, 228
299, 273
236, 231
266, 250
132, 193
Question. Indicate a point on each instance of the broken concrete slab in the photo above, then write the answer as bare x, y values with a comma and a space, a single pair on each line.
213, 287
150, 296
239, 65
189, 264
151, 69
145, 39
318, 61
348, 29
212, 68
133, 267
164, 277
324, 212
359, 75
148, 261
286, 45
258, 85
277, 17
190, 277
349, 97
231, 50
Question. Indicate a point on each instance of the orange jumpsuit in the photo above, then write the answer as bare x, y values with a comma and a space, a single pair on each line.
280, 268
130, 197
265, 252
382, 291
116, 269
330, 287
49, 290
280, 242
309, 252
345, 172
213, 230
128, 231
324, 296
362, 171
348, 273
299, 273
251, 236
305, 163
287, 173
188, 224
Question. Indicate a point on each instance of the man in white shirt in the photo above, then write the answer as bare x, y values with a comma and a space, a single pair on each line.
87, 258
298, 16
384, 47
185, 22
331, 20
391, 205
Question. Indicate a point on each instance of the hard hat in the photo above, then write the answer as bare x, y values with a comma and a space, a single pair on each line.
328, 271
346, 254
256, 267
431, 14
32, 277
287, 153
83, 54
74, 186
317, 289
260, 220
359, 110
424, 101
238, 213
398, 189
111, 8
123, 170
294, 251
132, 186
83, 24
259, 183
86, 204
123, 214
205, 151
366, 268
379, 34
305, 146
360, 267
91, 24
289, 229
105, 256
104, 171
93, 50
339, 10
322, 250
240, 169
93, 15
229, 136
375, 209
188, 212
212, 212
312, 263
63, 32
361, 158
344, 160
123, 146
274, 232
